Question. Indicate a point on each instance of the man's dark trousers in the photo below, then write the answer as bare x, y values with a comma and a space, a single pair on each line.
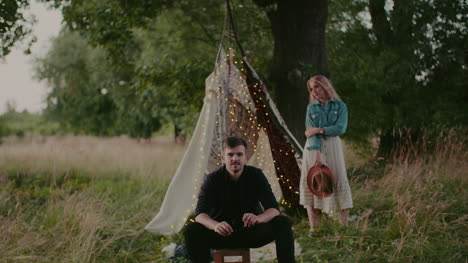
199, 239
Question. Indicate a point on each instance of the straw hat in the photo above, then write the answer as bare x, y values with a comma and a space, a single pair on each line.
320, 181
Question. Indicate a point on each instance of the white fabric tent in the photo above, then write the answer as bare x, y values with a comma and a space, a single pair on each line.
228, 110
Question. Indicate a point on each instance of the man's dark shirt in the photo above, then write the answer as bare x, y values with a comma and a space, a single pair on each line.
226, 200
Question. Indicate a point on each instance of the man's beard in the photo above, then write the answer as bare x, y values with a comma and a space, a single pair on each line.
236, 167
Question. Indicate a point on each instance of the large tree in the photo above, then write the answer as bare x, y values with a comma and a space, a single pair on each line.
79, 84
299, 51
401, 66
149, 77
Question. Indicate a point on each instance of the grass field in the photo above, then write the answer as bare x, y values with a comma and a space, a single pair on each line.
87, 199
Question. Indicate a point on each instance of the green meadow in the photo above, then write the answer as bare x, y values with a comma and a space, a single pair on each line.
87, 199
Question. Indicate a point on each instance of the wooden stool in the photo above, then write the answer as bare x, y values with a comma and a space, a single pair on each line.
237, 255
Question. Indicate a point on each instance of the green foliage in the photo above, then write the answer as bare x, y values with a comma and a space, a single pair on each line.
152, 64
130, 67
15, 27
399, 65
20, 124
38, 188
4, 129
80, 82
136, 64
156, 54
179, 49
170, 75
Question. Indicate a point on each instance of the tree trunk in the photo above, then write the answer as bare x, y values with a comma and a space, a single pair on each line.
299, 52
394, 32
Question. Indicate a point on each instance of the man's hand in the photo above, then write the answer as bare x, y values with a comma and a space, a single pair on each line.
223, 228
250, 220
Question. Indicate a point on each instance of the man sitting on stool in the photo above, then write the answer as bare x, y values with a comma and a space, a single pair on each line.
228, 212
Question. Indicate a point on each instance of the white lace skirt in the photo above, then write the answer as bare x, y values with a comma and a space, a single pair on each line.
332, 156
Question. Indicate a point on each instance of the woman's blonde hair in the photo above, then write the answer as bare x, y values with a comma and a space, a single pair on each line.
325, 84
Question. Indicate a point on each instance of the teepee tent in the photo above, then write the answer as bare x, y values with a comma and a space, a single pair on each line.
236, 103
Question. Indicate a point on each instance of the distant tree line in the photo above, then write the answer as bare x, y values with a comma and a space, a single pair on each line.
23, 123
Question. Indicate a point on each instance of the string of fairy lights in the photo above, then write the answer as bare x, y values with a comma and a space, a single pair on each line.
254, 133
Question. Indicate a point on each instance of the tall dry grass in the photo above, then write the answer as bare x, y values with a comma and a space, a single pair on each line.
429, 191
82, 199
155, 157
411, 208
85, 199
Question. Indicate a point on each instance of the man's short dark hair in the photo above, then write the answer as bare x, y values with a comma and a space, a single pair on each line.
232, 142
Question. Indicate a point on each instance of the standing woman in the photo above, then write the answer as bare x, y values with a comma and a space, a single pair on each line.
326, 120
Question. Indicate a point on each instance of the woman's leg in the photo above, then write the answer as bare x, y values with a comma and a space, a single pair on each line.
313, 215
344, 214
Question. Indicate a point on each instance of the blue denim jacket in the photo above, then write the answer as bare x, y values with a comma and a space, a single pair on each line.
333, 117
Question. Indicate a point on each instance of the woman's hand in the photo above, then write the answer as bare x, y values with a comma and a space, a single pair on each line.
318, 158
311, 131
314, 95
